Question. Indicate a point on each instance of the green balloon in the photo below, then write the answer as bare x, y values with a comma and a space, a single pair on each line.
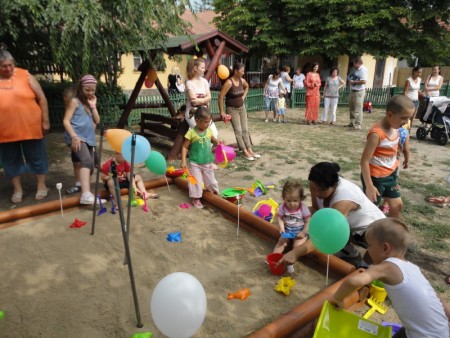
329, 230
156, 163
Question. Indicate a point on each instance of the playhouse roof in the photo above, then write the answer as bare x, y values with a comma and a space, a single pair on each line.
187, 44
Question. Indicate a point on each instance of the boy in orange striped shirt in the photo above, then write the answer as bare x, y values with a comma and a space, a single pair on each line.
379, 163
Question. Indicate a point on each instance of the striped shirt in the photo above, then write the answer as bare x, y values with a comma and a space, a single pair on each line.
384, 159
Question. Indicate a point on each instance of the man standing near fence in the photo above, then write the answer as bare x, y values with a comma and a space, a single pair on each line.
357, 79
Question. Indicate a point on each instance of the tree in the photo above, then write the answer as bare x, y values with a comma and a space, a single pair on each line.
334, 27
88, 36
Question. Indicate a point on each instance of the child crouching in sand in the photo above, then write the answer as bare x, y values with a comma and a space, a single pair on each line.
420, 310
197, 142
123, 176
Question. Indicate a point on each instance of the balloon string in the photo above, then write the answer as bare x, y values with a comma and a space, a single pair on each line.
237, 231
60, 203
167, 182
328, 267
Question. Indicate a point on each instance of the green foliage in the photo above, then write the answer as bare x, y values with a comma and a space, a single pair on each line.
88, 36
335, 27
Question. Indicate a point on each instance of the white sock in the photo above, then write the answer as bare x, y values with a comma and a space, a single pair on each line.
78, 184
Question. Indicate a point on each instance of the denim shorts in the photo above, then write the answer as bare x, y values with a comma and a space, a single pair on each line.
271, 103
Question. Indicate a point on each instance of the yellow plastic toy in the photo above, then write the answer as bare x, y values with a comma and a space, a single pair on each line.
284, 285
270, 202
376, 301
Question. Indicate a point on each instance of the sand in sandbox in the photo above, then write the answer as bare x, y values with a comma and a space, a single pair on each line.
62, 282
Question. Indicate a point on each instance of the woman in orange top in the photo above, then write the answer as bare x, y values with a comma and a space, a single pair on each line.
23, 121
312, 94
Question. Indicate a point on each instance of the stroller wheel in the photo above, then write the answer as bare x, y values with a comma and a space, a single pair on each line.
421, 133
443, 138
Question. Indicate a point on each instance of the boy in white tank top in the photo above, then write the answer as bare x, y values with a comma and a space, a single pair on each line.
417, 305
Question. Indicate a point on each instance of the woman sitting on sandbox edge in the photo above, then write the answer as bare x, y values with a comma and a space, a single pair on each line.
328, 190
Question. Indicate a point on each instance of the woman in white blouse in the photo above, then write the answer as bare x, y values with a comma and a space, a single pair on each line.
434, 82
412, 89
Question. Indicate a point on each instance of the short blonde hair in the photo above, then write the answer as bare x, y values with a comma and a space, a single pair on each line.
399, 104
392, 231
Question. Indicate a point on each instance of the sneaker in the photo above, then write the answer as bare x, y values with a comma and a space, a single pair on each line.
274, 120
266, 120
89, 198
357, 127
197, 203
290, 269
73, 189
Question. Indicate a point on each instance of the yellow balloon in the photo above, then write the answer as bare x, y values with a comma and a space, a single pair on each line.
116, 137
223, 72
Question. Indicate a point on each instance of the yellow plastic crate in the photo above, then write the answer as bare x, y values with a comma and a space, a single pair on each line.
335, 323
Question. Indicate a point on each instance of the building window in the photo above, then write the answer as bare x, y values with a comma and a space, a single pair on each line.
137, 60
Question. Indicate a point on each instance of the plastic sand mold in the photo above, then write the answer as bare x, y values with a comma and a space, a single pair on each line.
77, 223
242, 294
284, 285
174, 237
185, 205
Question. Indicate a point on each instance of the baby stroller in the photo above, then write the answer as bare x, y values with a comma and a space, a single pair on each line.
435, 118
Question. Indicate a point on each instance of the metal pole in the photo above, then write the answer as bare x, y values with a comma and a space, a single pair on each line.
130, 189
97, 178
126, 245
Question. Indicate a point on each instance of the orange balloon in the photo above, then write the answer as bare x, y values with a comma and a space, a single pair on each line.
152, 76
223, 72
116, 137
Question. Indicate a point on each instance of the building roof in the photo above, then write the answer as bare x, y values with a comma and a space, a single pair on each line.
201, 22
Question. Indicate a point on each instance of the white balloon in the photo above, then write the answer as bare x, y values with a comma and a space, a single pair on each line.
178, 305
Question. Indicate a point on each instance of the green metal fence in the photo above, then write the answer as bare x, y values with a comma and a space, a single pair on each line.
111, 108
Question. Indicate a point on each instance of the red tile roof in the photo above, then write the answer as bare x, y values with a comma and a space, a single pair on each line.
201, 22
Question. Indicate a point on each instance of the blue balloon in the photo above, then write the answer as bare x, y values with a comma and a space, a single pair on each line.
141, 150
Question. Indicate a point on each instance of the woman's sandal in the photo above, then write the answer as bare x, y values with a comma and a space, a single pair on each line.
41, 194
17, 197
